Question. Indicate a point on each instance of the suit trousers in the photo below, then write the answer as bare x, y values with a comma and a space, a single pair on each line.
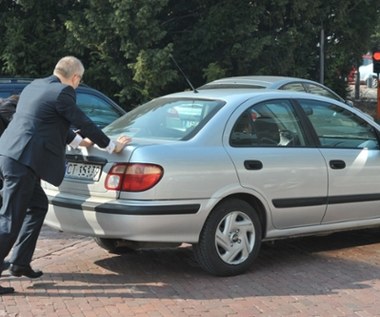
23, 211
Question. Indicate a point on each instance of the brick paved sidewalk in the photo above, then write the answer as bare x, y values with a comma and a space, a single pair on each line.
337, 275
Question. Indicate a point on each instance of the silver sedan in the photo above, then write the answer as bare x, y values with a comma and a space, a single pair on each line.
224, 170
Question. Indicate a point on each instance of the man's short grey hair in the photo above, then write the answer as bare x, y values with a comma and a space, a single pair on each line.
69, 66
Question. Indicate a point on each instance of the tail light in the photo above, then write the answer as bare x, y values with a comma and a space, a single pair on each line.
133, 177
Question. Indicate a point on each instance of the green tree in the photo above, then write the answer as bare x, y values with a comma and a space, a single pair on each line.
126, 45
278, 37
122, 44
375, 35
348, 26
32, 35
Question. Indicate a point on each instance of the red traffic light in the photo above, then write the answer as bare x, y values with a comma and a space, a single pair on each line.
376, 61
376, 56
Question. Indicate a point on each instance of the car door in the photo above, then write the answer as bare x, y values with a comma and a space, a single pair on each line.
270, 151
350, 147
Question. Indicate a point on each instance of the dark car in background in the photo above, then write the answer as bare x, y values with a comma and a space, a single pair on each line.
100, 108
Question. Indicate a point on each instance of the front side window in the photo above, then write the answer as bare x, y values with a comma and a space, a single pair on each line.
337, 127
271, 123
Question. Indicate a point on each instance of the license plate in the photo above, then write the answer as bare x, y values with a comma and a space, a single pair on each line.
83, 171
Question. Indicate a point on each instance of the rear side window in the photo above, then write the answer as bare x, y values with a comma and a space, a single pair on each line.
272, 123
6, 92
319, 90
294, 87
337, 127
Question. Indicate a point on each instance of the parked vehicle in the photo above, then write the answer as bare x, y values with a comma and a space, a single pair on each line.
274, 82
367, 76
100, 108
224, 170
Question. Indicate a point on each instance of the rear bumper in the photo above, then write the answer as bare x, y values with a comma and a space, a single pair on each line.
124, 209
147, 221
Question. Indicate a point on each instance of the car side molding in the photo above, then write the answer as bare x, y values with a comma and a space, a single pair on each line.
109, 208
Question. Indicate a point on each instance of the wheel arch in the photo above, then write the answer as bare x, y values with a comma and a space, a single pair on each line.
255, 203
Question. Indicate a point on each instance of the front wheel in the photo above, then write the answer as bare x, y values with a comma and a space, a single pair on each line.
230, 239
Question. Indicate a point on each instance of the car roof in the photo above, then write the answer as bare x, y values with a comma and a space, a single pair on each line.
14, 86
259, 81
229, 94
23, 82
263, 82
15, 80
17, 84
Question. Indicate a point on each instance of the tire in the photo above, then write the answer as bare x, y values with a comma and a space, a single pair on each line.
372, 82
375, 82
230, 239
368, 82
111, 245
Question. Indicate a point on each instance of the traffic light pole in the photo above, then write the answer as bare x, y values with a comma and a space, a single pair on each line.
376, 69
378, 98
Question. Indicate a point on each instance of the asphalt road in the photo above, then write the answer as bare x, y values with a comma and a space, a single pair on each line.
336, 275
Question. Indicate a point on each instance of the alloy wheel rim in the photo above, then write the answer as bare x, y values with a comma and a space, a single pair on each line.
235, 238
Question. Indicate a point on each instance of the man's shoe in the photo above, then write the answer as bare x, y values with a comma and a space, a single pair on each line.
6, 290
19, 270
6, 265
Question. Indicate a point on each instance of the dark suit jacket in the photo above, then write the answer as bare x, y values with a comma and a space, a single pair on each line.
40, 129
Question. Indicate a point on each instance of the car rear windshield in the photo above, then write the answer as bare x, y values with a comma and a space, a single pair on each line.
164, 118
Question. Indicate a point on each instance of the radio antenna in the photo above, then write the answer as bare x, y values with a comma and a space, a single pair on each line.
183, 74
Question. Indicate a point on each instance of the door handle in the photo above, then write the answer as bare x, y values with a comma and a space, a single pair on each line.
253, 165
337, 164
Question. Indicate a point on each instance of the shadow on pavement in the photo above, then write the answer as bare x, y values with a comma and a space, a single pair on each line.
302, 266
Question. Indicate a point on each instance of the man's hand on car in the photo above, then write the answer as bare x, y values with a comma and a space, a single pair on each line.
121, 142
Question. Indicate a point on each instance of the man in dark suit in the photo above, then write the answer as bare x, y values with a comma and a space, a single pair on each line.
33, 148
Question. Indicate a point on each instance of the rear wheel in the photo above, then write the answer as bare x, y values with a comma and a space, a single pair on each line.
230, 239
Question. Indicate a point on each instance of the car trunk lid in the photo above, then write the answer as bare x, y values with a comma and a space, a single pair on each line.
87, 169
